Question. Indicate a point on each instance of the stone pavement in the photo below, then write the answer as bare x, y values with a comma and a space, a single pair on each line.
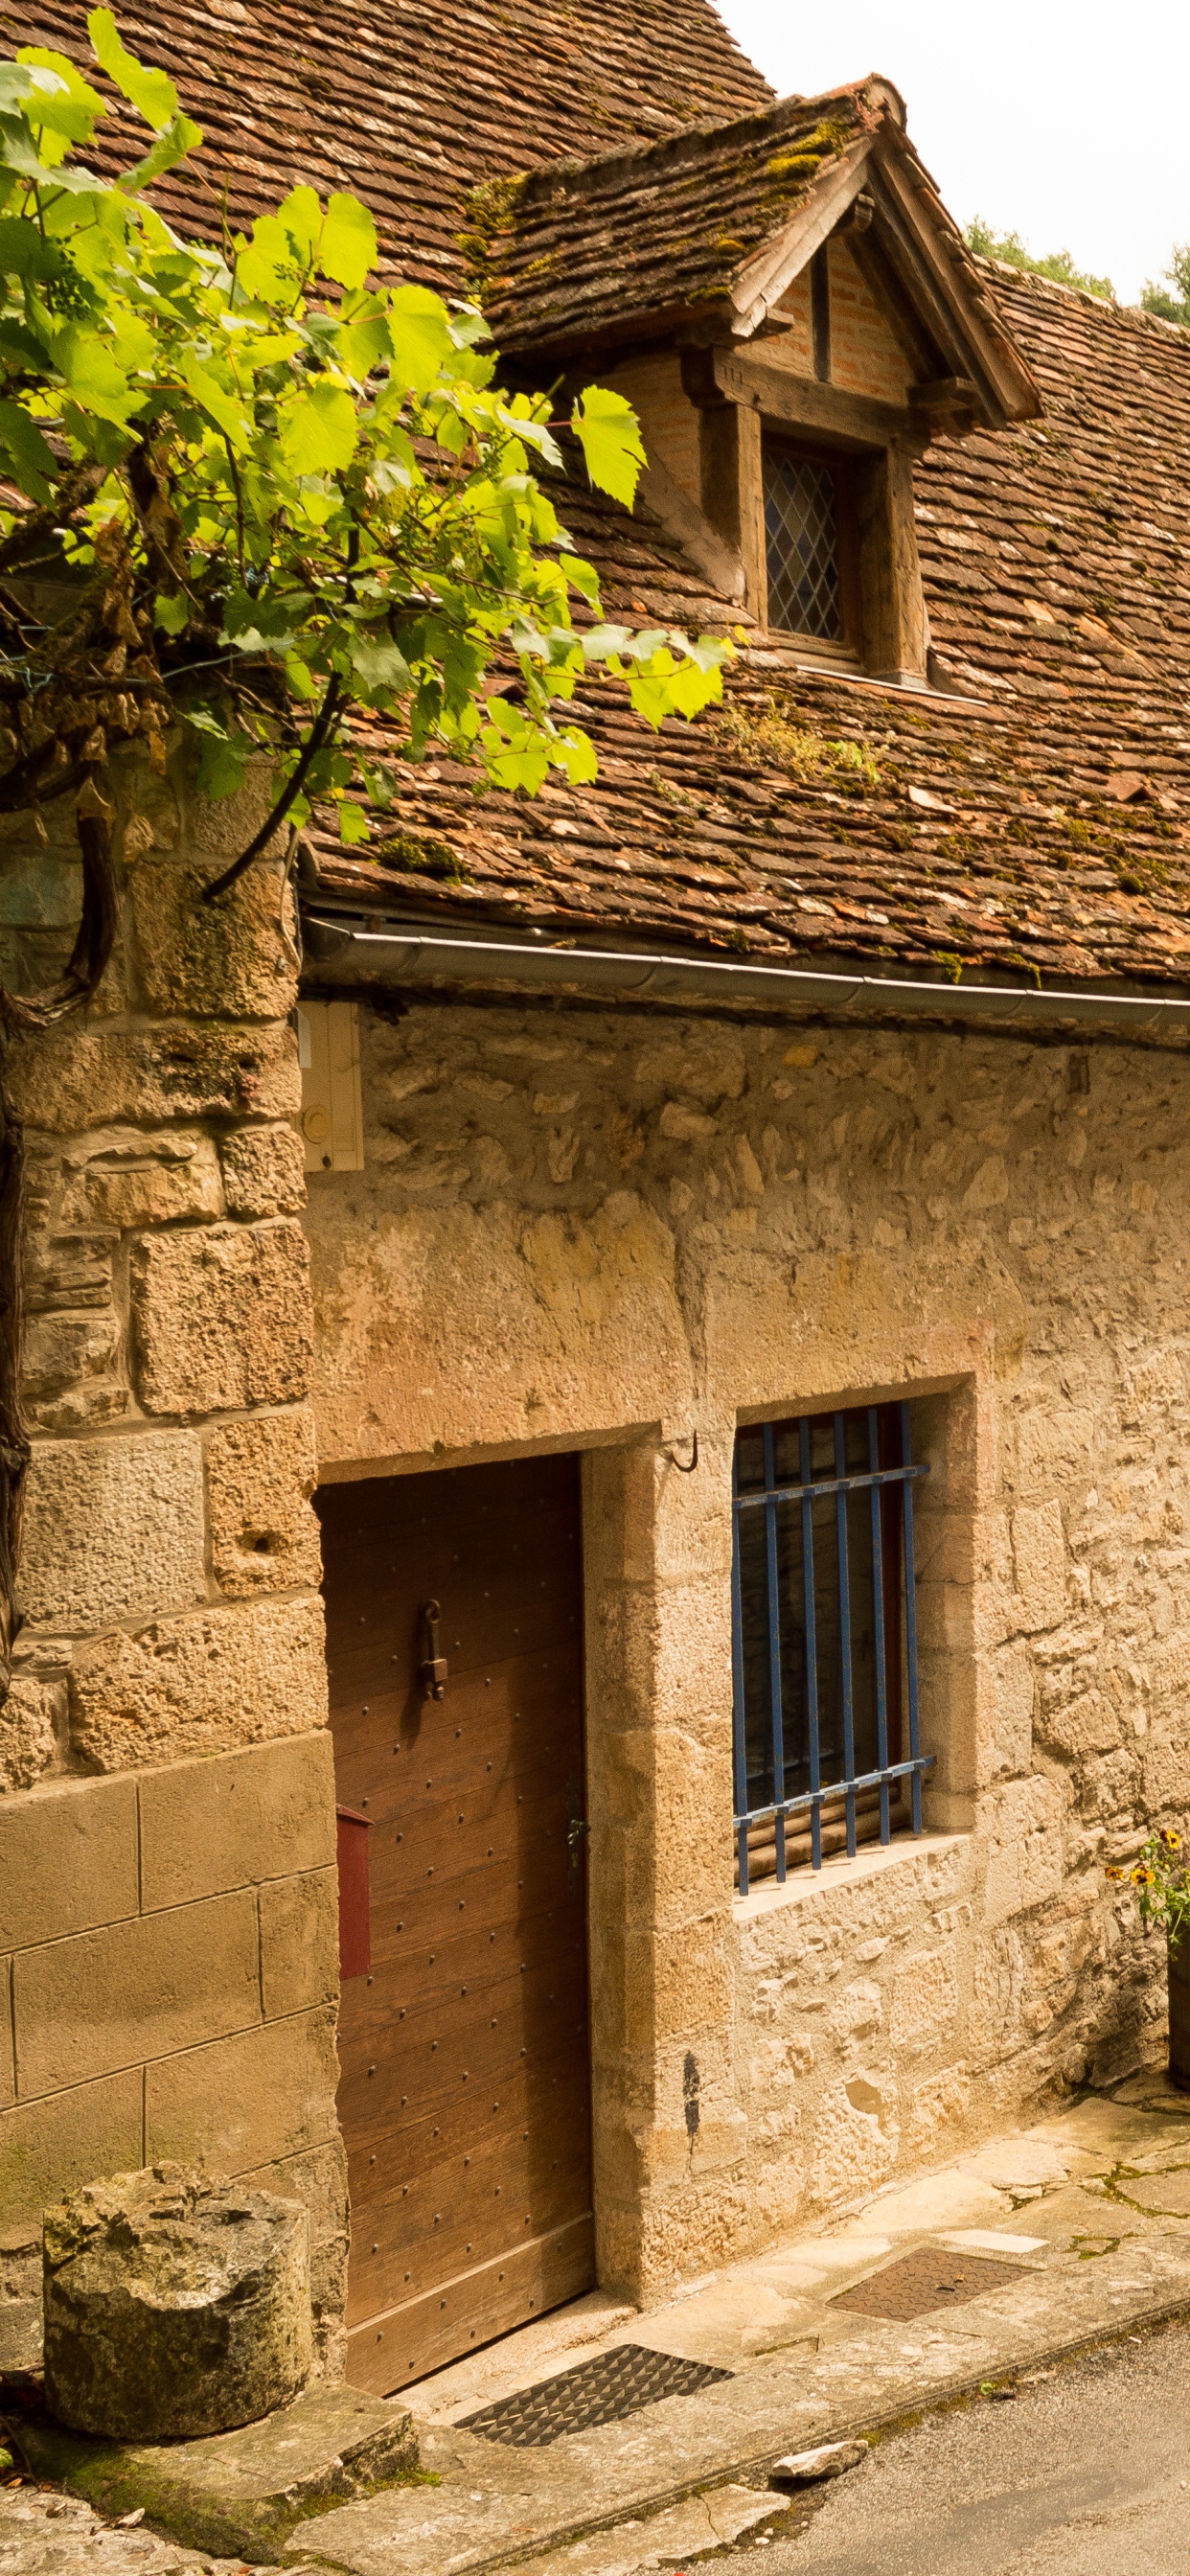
1094, 2207
45, 2534
1091, 2208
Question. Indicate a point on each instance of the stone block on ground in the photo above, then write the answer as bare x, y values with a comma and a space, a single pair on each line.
828, 2460
248, 2493
174, 2305
43, 2533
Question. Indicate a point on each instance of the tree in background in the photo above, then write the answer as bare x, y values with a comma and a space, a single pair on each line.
1059, 265
1170, 297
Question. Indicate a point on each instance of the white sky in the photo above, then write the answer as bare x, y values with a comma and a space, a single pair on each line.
1062, 120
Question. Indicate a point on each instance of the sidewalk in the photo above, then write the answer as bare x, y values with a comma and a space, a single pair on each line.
1090, 2209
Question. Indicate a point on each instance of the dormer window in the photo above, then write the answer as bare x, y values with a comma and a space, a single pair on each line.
810, 545
794, 318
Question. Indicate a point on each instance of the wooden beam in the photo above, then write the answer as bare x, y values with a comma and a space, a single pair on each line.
763, 282
820, 313
753, 545
896, 631
825, 411
947, 406
692, 530
733, 493
1005, 388
935, 309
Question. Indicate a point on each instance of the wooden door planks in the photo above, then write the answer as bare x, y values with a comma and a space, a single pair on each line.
406, 2342
465, 2090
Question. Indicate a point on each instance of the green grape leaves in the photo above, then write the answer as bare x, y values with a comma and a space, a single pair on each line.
331, 507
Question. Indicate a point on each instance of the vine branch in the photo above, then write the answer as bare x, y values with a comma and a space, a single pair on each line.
316, 740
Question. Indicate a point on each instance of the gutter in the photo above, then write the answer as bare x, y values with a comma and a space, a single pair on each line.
349, 955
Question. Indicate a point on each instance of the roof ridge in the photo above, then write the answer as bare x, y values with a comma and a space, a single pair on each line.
1116, 305
676, 146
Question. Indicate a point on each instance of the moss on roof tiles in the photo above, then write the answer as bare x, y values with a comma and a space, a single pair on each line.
669, 225
391, 108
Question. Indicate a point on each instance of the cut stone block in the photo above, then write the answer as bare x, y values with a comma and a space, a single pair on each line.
173, 2305
241, 2493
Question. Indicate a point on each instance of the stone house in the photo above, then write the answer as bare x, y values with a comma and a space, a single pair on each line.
691, 1268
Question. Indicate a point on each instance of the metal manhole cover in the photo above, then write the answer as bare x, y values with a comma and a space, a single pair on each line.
603, 2391
926, 2280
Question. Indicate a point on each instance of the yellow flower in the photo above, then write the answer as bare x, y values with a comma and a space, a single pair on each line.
1172, 1842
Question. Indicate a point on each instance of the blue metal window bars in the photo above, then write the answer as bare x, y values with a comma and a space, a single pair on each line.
824, 1635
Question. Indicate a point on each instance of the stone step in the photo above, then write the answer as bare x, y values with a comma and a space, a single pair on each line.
244, 2494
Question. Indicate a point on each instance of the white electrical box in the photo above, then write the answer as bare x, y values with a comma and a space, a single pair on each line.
332, 1097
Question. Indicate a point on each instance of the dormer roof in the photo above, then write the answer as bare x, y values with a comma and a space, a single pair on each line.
703, 233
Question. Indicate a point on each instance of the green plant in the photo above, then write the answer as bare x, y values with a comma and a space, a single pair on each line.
289, 495
1173, 306
1162, 1883
1057, 265
765, 733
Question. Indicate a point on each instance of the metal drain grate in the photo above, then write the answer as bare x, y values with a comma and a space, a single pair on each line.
603, 2391
926, 2280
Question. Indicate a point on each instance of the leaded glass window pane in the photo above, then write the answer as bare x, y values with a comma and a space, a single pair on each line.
802, 542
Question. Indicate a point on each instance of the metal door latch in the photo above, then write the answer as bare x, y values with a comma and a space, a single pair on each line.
434, 1666
576, 1828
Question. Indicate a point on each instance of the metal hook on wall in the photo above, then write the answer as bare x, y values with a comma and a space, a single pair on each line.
685, 1467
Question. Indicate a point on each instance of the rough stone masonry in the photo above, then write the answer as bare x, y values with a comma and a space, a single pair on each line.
606, 1229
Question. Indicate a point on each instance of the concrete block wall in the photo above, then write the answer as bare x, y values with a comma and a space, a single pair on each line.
172, 1972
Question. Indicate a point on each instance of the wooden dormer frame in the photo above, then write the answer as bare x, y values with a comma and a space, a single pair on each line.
876, 193
738, 395
857, 181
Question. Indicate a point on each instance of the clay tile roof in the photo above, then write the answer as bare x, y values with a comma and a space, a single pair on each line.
1037, 829
408, 103
641, 240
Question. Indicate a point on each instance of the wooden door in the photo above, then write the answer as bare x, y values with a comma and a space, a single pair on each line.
465, 2094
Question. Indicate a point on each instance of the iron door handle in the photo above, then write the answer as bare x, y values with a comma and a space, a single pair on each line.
434, 1666
575, 1831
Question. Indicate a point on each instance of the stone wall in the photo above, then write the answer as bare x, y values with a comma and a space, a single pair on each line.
168, 1985
607, 1229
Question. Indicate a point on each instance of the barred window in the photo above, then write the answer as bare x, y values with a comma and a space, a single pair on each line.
802, 544
825, 1641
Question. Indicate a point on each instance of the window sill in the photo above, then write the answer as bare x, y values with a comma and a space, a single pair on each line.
775, 651
836, 658
871, 1861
